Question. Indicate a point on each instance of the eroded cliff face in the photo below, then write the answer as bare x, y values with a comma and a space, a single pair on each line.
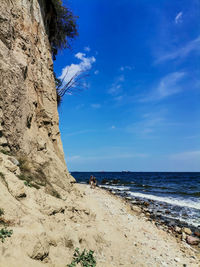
28, 106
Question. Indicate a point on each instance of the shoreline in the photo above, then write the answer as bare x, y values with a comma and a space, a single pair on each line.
171, 225
150, 231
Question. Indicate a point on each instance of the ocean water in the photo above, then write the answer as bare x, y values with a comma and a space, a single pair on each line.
171, 196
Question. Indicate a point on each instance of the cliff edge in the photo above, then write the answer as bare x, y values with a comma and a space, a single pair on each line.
28, 102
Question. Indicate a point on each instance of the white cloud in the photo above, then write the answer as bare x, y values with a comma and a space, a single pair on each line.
123, 68
96, 72
113, 127
182, 52
87, 48
178, 18
85, 64
116, 87
168, 85
95, 105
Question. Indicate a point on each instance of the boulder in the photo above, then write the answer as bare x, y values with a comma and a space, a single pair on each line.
197, 233
187, 231
191, 240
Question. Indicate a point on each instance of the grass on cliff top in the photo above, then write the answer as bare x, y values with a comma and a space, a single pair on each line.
86, 259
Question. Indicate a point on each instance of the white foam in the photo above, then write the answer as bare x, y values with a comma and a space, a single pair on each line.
173, 201
121, 188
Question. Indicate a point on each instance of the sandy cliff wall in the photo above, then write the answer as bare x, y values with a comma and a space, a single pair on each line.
28, 106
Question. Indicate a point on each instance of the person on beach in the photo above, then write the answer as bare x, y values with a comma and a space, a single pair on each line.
92, 181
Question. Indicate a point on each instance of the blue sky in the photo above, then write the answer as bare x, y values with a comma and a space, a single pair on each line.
141, 108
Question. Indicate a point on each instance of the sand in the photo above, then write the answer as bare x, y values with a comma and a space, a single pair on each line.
47, 230
131, 240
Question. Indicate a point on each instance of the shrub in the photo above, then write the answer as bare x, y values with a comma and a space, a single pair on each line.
60, 24
86, 259
4, 233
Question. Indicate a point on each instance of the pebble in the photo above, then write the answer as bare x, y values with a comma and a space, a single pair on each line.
177, 260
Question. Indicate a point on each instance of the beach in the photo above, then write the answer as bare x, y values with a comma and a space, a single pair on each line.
46, 230
129, 239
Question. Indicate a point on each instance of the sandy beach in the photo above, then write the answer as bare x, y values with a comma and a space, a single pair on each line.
130, 239
47, 230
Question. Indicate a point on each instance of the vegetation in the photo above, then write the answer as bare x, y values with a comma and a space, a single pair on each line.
61, 25
5, 152
4, 233
24, 165
75, 84
1, 212
86, 259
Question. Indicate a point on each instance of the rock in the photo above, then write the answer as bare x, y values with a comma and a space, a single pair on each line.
183, 237
14, 161
104, 181
191, 240
177, 260
28, 102
197, 233
3, 141
177, 229
187, 231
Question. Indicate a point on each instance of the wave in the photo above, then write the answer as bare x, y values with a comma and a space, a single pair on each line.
173, 201
120, 188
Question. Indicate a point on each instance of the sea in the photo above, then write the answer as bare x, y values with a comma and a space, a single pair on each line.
173, 197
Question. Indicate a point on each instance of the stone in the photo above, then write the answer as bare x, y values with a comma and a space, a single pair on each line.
177, 260
183, 236
191, 240
14, 161
187, 231
197, 233
177, 229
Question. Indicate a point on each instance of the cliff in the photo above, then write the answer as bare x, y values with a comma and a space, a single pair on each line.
28, 102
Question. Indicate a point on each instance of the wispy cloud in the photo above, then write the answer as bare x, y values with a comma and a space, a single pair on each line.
168, 85
96, 72
123, 68
87, 48
116, 86
85, 158
186, 155
95, 106
182, 52
178, 18
146, 126
80, 132
85, 65
73, 158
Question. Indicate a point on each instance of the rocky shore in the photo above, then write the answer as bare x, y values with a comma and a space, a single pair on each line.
181, 230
